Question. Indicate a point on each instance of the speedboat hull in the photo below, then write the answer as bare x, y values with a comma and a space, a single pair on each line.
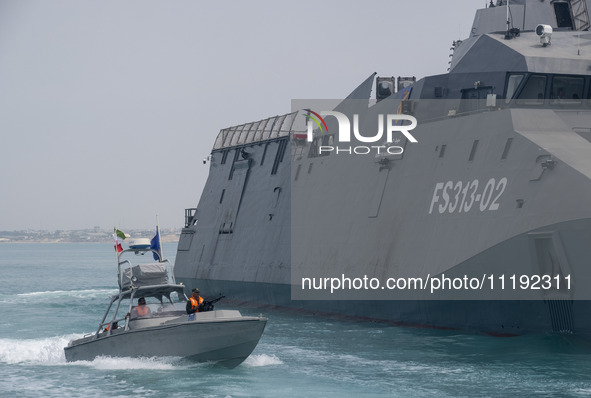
221, 336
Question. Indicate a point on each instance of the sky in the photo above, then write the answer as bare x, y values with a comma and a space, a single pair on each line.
108, 108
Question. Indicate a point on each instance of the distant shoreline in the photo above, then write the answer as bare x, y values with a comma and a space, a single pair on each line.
93, 235
174, 239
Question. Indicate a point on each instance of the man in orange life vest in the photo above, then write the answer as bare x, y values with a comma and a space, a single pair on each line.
115, 326
142, 309
194, 303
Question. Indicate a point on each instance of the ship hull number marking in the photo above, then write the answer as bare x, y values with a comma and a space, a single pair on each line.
461, 197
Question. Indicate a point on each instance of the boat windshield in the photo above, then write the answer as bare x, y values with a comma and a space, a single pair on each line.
165, 301
147, 307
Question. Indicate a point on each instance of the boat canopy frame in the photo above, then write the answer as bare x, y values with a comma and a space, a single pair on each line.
159, 292
135, 288
168, 268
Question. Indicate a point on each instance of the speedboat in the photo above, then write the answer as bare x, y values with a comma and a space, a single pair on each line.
161, 326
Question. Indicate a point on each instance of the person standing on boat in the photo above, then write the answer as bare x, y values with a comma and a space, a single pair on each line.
195, 302
115, 326
142, 309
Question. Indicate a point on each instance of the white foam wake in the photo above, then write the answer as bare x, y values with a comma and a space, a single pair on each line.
58, 296
254, 361
41, 351
110, 363
50, 351
78, 294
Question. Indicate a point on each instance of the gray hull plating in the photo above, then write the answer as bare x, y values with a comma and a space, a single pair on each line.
555, 313
252, 263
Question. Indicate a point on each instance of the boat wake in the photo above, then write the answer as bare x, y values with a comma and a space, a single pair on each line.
126, 363
255, 361
50, 351
60, 294
42, 351
55, 295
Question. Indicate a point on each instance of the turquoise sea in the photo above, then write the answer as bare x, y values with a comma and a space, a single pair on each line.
51, 293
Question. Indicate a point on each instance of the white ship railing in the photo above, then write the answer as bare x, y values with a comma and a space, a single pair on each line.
262, 130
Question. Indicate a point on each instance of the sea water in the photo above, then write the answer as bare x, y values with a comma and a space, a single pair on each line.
52, 293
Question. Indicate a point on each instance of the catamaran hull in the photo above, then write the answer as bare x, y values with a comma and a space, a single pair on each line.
228, 342
493, 317
548, 312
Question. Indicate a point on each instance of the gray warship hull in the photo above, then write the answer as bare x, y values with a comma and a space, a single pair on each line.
498, 186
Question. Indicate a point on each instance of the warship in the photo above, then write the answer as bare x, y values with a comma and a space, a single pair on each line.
479, 219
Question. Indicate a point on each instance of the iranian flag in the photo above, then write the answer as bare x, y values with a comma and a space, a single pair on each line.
119, 238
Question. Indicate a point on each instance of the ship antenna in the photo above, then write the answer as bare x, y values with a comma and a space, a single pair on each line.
507, 35
512, 32
507, 16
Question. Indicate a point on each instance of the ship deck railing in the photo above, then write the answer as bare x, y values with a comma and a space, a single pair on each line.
283, 126
263, 130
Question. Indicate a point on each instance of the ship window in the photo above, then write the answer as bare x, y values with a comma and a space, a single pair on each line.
473, 151
567, 90
222, 195
512, 83
442, 151
507, 147
534, 91
224, 156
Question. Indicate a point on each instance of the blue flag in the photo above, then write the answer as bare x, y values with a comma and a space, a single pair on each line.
155, 245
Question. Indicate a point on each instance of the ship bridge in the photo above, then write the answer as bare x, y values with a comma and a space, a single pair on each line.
569, 52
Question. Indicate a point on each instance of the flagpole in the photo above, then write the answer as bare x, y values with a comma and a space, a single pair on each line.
117, 258
159, 240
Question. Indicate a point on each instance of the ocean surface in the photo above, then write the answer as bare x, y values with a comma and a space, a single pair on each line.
52, 293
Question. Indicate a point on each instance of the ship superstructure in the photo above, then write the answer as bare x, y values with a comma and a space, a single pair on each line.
498, 185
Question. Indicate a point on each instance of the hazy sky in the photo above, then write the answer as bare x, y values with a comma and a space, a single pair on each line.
107, 108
